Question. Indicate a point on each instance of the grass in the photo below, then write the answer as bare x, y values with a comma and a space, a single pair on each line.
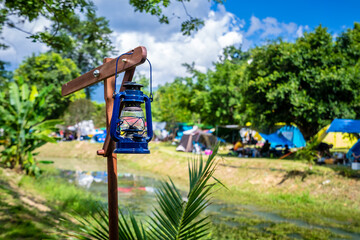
320, 195
256, 228
40, 208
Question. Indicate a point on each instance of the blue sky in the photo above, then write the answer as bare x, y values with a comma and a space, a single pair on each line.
239, 23
332, 14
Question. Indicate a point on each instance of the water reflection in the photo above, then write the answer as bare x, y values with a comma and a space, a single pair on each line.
134, 191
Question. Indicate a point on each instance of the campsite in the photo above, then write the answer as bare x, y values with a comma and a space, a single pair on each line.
179, 120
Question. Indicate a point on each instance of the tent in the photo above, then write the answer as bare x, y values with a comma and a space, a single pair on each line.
229, 133
354, 149
194, 135
287, 135
294, 135
276, 139
345, 126
337, 139
181, 128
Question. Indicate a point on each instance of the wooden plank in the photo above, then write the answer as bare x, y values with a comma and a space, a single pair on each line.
107, 70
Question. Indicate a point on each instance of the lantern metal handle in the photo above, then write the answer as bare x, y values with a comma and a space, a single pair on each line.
148, 118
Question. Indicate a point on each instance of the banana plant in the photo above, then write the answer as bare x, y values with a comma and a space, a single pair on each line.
23, 125
176, 218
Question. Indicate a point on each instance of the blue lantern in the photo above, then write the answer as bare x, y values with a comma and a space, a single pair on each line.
128, 128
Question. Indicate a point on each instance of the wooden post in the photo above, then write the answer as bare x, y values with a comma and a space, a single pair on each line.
109, 84
106, 72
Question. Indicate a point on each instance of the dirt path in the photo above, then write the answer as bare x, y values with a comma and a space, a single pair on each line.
24, 215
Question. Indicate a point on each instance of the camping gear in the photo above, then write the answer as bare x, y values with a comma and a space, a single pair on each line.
127, 127
159, 131
355, 166
190, 137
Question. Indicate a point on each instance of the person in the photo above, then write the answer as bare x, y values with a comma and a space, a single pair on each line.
264, 151
239, 148
286, 149
356, 157
324, 150
238, 145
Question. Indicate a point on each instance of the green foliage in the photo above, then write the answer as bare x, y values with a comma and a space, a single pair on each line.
171, 102
156, 7
76, 32
308, 83
49, 69
174, 219
23, 122
79, 110
309, 153
99, 115
216, 95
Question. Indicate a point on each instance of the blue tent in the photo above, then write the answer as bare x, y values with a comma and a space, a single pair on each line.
345, 126
294, 135
289, 135
354, 149
276, 139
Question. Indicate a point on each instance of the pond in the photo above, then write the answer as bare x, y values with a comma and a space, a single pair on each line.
234, 221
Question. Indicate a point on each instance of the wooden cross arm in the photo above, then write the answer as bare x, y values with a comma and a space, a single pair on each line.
106, 70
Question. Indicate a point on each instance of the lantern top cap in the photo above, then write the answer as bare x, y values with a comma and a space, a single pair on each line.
132, 86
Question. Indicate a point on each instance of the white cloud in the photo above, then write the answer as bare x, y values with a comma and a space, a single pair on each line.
271, 27
167, 55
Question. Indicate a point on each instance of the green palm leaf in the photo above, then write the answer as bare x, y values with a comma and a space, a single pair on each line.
175, 219
179, 219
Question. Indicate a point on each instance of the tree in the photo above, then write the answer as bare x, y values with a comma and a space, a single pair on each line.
156, 8
79, 110
57, 12
76, 32
216, 95
88, 41
307, 83
49, 69
171, 102
23, 114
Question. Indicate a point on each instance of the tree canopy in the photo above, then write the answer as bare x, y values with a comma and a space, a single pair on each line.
75, 31
307, 83
49, 69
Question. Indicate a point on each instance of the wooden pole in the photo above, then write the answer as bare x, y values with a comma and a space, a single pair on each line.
111, 161
109, 84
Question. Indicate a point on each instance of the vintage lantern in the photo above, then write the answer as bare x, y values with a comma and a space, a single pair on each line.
128, 127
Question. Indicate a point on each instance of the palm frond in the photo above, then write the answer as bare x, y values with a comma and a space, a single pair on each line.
179, 219
175, 219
